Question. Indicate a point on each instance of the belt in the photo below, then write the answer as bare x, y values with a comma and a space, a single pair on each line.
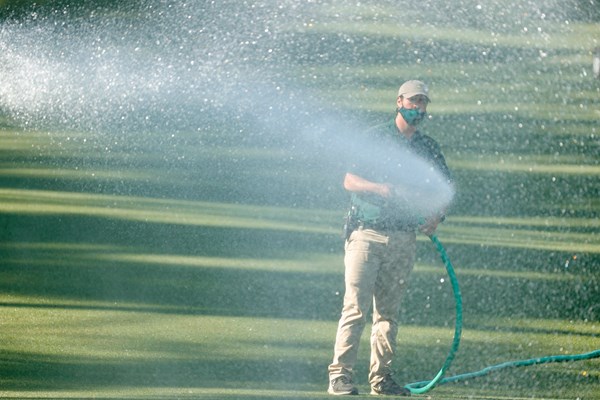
391, 226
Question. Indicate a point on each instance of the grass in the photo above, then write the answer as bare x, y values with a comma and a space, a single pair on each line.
131, 270
102, 298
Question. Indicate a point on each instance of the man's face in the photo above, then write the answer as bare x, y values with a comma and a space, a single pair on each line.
419, 101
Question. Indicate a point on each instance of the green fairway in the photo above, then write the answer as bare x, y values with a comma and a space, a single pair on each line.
117, 296
177, 265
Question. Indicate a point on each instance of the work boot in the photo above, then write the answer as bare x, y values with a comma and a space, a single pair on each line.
342, 386
387, 386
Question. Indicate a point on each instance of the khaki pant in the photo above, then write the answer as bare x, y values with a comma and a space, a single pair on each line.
377, 269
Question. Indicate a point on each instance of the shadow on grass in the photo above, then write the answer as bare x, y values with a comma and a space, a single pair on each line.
72, 258
27, 372
67, 273
76, 263
79, 263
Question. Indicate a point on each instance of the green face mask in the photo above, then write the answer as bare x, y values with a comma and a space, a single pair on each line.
412, 116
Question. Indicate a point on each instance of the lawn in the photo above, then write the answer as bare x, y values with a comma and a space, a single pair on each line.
207, 263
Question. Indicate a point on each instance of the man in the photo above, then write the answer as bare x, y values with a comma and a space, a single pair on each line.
381, 244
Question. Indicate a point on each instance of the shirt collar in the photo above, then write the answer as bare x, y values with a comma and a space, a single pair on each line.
394, 131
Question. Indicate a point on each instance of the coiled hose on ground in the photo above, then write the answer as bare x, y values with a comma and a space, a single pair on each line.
425, 386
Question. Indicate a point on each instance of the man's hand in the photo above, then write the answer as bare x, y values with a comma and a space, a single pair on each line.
430, 225
385, 190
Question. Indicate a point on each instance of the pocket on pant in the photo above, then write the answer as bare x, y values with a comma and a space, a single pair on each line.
356, 241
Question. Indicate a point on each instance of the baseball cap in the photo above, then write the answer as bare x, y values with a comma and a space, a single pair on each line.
412, 88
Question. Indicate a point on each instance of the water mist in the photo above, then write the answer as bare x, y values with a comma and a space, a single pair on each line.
176, 68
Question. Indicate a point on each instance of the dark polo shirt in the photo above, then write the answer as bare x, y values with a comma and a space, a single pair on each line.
388, 157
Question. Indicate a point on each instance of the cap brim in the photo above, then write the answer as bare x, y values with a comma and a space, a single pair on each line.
412, 94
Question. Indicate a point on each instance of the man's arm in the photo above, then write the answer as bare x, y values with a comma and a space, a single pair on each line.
355, 183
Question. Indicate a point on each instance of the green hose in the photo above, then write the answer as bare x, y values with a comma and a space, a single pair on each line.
522, 363
425, 386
